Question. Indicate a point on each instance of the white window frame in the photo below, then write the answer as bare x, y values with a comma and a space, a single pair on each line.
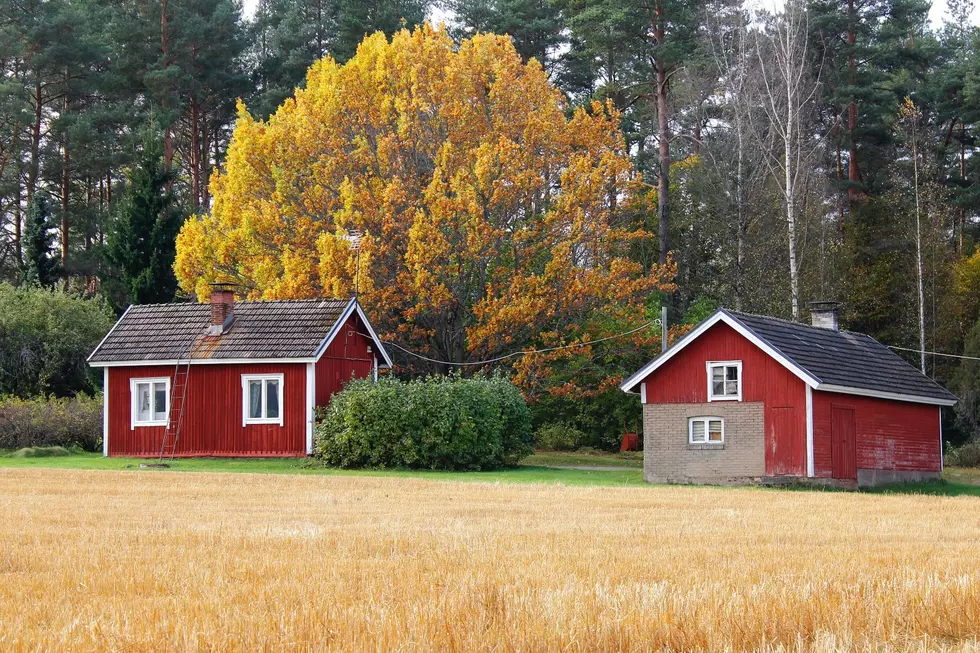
709, 366
706, 419
134, 402
246, 378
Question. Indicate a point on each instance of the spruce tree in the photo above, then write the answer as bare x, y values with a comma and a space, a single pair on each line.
41, 263
535, 26
141, 245
289, 35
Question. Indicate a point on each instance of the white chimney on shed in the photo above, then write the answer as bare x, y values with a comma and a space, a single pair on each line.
823, 314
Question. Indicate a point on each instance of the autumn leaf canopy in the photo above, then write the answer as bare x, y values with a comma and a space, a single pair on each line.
492, 218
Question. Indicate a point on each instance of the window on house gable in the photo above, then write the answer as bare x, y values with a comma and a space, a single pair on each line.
706, 430
150, 402
725, 381
262, 399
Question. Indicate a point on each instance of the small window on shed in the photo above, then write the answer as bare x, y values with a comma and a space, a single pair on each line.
706, 430
262, 399
724, 381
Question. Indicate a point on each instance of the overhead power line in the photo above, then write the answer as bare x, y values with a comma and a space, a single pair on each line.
936, 353
593, 342
523, 352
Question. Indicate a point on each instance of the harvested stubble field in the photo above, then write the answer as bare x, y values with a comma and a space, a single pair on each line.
136, 561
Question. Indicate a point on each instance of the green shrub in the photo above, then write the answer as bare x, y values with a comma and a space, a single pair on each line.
51, 422
434, 423
967, 455
40, 452
601, 417
558, 437
45, 337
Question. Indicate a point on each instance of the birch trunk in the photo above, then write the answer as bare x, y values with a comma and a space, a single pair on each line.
787, 96
790, 174
918, 250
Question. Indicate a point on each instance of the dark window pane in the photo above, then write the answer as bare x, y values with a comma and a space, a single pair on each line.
272, 399
159, 401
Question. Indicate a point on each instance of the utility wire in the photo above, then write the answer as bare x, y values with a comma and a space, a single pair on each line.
936, 353
592, 342
520, 353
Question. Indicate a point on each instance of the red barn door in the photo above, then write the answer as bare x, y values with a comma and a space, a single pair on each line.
785, 452
843, 442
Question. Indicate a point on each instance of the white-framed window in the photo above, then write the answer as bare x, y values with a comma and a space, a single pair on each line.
706, 430
149, 402
724, 380
262, 399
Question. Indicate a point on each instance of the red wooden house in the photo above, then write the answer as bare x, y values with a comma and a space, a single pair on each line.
227, 379
745, 398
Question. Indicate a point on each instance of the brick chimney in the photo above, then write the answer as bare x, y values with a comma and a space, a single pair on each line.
823, 314
222, 308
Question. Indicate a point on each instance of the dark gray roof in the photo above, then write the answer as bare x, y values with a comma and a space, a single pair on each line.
843, 358
261, 330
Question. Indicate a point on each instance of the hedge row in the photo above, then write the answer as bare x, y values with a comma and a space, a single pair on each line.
434, 423
45, 422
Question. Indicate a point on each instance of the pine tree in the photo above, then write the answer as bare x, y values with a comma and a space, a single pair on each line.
289, 35
41, 262
141, 244
640, 50
535, 26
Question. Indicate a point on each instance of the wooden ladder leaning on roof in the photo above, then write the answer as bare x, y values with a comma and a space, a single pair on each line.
175, 416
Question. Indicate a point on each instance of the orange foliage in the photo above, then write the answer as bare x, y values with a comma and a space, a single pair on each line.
493, 220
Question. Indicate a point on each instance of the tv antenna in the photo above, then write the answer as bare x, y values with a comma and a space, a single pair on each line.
354, 237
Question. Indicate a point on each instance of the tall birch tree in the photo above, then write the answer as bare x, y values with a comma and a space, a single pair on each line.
787, 93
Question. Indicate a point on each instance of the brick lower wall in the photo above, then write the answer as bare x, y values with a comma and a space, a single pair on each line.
668, 458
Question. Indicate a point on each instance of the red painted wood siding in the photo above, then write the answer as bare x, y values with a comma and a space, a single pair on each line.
348, 354
213, 413
684, 379
890, 434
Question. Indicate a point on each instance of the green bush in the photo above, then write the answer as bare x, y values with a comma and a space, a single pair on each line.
558, 437
40, 452
51, 422
602, 417
45, 338
434, 423
967, 455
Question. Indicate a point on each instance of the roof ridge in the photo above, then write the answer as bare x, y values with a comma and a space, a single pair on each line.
238, 302
181, 303
799, 324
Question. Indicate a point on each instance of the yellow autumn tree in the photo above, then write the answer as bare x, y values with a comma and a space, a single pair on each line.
493, 218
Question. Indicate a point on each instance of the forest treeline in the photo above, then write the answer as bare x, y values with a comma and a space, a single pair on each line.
826, 151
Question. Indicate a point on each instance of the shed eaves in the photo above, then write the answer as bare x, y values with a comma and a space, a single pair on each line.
260, 330
842, 358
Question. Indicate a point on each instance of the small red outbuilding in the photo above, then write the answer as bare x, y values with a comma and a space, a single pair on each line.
744, 398
227, 378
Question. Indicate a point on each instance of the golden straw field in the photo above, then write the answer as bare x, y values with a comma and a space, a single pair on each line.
140, 561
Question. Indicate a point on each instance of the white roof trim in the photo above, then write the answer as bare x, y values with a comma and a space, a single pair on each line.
879, 394
98, 346
384, 352
722, 316
718, 316
351, 307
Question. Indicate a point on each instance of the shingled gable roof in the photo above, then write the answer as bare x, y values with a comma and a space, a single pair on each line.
262, 330
824, 359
